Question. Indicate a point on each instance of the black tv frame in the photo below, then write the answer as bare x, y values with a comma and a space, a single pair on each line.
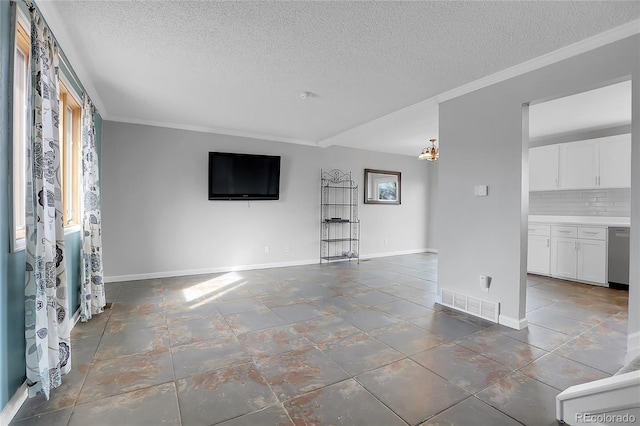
274, 195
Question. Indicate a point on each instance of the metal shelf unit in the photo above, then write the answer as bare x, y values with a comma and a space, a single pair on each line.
339, 223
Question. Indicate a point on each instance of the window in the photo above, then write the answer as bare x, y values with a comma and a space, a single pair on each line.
70, 111
20, 135
70, 148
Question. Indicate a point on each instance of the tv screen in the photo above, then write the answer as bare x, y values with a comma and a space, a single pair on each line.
243, 176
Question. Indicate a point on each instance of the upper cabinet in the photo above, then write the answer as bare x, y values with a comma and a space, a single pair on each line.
615, 162
589, 164
543, 168
578, 165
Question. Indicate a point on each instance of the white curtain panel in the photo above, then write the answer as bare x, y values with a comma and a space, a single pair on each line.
92, 297
48, 349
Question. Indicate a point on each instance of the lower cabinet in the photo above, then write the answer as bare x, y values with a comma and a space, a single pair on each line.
564, 257
592, 261
579, 253
538, 253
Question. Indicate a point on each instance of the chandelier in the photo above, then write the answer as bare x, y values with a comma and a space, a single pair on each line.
430, 153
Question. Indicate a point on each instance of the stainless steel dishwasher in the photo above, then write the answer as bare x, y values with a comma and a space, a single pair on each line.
618, 257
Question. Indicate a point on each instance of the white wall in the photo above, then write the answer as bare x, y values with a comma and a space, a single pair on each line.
157, 220
481, 143
633, 338
433, 230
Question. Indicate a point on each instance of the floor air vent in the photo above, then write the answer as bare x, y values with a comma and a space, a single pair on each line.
472, 305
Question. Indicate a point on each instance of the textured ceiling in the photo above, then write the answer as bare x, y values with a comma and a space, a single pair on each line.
238, 67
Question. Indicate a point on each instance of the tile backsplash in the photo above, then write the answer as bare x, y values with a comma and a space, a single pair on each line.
593, 202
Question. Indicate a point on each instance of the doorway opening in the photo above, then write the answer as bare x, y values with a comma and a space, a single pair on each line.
579, 167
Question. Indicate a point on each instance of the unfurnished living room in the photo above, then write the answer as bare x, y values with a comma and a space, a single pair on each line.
319, 212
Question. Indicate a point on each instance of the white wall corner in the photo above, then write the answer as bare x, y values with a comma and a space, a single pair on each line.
14, 404
633, 347
512, 322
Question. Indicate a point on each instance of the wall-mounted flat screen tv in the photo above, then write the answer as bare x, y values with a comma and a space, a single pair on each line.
243, 176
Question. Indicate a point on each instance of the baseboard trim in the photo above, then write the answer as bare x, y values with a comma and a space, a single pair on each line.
395, 253
75, 318
633, 347
512, 322
223, 269
14, 404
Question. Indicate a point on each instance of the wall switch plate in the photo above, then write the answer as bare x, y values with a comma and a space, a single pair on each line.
266, 249
481, 190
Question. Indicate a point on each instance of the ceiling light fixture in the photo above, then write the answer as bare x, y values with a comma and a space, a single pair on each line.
430, 153
306, 95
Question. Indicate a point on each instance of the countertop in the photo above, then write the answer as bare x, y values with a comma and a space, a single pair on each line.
581, 220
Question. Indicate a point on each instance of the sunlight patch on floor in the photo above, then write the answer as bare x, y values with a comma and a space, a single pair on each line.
213, 288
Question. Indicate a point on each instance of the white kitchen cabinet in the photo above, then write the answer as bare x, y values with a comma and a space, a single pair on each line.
543, 168
580, 253
592, 261
539, 249
578, 165
564, 260
615, 162
588, 164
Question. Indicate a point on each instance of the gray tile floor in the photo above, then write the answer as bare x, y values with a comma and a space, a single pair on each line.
330, 344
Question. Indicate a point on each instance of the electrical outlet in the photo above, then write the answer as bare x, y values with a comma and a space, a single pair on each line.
485, 282
266, 249
287, 248
386, 241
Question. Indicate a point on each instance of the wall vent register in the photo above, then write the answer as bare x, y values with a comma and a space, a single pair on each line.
482, 308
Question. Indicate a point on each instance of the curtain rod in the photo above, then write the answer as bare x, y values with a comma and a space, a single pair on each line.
62, 56
29, 4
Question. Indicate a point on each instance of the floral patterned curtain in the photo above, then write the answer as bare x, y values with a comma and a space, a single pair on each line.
47, 325
92, 298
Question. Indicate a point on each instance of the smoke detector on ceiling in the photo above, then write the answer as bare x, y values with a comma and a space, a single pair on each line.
306, 95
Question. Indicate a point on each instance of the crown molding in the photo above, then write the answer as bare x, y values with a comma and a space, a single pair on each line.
207, 129
618, 33
583, 46
422, 106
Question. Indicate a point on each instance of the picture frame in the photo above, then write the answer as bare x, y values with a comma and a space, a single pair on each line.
382, 187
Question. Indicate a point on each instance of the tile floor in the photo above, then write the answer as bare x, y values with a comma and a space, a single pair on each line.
338, 344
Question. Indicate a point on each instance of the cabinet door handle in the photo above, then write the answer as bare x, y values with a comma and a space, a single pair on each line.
547, 242
590, 232
564, 232
596, 183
